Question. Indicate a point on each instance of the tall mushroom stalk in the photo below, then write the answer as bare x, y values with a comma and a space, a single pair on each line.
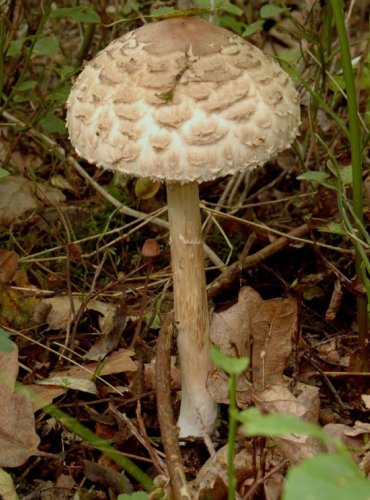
198, 410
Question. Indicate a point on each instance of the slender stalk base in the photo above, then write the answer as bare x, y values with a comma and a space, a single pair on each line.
198, 411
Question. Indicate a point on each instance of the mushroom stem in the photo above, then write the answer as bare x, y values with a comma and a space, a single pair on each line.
198, 411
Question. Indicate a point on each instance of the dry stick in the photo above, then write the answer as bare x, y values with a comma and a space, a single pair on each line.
261, 480
169, 431
232, 273
62, 155
346, 374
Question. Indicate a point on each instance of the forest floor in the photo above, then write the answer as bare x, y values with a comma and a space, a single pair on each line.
81, 308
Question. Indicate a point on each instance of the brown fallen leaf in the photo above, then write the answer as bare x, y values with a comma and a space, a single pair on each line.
335, 301
16, 307
211, 480
42, 394
8, 265
18, 438
273, 487
278, 398
118, 362
263, 328
18, 196
7, 488
106, 476
75, 383
39, 395
112, 321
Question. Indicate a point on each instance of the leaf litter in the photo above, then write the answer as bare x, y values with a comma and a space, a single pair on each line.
252, 330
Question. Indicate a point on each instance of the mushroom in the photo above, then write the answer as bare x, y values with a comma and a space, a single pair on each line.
183, 101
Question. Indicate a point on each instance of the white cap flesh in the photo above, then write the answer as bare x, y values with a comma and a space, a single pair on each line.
182, 100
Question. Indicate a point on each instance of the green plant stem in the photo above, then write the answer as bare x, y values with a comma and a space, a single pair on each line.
100, 444
356, 156
86, 43
29, 52
317, 96
233, 411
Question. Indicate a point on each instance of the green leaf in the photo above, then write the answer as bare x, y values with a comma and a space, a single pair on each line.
3, 173
253, 28
130, 6
46, 46
230, 8
345, 174
52, 123
268, 11
229, 22
139, 495
25, 86
314, 176
333, 228
202, 4
26, 98
169, 12
81, 13
331, 476
229, 364
146, 188
15, 47
162, 11
6, 345
60, 94
279, 424
65, 71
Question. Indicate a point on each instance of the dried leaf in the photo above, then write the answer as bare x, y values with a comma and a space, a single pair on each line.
366, 399
8, 265
335, 302
18, 439
355, 444
16, 199
273, 487
106, 476
60, 314
118, 362
211, 481
16, 307
268, 325
19, 196
78, 384
306, 406
40, 395
111, 321
7, 488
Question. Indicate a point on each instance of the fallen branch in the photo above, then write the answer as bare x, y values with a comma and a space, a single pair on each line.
169, 431
232, 273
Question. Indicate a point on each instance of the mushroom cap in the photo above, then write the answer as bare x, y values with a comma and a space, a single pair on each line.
182, 100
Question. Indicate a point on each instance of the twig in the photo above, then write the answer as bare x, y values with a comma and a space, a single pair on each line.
232, 273
346, 374
336, 396
261, 480
165, 416
144, 441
